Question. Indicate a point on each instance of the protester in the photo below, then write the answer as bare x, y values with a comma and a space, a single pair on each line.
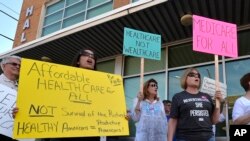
193, 113
167, 108
241, 109
149, 114
10, 66
85, 59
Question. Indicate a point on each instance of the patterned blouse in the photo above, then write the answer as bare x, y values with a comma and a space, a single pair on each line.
151, 121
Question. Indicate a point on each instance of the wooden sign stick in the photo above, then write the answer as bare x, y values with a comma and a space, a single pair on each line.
141, 75
217, 86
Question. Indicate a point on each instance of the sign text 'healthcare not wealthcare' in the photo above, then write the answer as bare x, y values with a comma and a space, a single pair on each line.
142, 44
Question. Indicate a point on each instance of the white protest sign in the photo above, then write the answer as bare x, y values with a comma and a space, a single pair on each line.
7, 102
208, 86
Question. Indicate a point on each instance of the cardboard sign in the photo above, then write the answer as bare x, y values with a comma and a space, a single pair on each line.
142, 44
208, 86
62, 101
7, 103
214, 37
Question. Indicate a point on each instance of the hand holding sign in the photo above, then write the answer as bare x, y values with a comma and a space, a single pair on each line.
7, 101
215, 37
14, 112
218, 96
208, 86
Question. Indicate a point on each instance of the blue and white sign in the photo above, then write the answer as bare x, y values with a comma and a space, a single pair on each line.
142, 44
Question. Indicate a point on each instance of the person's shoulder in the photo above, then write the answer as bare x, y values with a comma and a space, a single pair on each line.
205, 94
241, 99
2, 77
202, 93
179, 94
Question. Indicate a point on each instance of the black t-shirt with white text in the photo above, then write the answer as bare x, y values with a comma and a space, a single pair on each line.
194, 113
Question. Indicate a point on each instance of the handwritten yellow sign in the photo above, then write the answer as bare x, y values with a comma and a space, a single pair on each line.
62, 101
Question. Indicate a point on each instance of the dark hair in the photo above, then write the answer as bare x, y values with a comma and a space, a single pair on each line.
244, 81
145, 88
166, 101
79, 54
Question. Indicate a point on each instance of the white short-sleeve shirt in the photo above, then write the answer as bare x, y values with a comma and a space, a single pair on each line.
241, 108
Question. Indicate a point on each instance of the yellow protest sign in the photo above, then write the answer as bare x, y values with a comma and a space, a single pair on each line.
62, 101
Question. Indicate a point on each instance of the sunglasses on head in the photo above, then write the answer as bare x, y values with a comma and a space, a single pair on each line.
192, 74
14, 64
153, 85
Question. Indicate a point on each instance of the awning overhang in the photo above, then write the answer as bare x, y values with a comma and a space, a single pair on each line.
104, 33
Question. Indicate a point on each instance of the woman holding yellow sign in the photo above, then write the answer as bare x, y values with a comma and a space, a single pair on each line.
84, 59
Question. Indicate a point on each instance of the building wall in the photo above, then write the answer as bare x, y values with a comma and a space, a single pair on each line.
34, 19
120, 3
32, 32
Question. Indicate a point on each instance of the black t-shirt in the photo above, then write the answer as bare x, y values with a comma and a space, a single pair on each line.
193, 113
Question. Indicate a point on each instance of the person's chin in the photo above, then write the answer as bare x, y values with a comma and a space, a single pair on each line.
16, 73
90, 67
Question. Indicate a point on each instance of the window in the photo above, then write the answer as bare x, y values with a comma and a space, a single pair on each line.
65, 13
132, 64
175, 76
183, 55
106, 66
135, 0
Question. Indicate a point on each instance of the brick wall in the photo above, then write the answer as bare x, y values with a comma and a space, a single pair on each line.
34, 19
120, 3
32, 32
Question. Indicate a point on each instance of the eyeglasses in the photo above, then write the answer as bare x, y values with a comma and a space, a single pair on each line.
153, 85
192, 74
87, 54
14, 64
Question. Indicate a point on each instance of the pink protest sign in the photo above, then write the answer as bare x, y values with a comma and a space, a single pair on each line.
214, 37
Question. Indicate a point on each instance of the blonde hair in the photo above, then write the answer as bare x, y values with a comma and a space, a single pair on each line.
185, 75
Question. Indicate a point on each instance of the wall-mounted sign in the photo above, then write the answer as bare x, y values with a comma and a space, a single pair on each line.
26, 25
